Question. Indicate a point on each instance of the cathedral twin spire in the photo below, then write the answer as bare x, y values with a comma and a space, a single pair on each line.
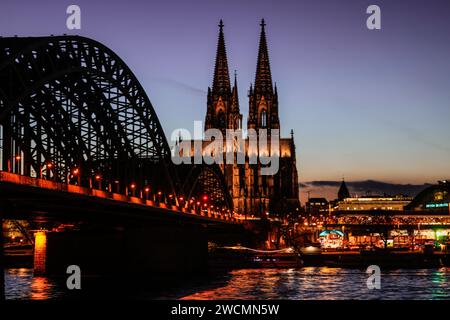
251, 190
263, 101
221, 82
223, 102
263, 77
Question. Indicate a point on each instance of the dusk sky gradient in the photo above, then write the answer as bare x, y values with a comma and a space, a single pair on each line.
363, 104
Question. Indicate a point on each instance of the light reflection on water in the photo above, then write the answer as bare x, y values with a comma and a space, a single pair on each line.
328, 284
298, 284
22, 285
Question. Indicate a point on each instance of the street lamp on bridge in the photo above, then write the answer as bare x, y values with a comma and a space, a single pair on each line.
47, 167
133, 189
181, 201
76, 174
98, 178
159, 196
18, 158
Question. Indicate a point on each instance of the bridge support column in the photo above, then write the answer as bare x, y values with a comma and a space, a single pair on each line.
143, 252
2, 260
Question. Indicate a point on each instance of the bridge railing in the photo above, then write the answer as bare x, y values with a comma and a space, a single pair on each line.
62, 187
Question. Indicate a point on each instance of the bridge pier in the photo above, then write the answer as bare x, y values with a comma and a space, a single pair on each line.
149, 253
2, 260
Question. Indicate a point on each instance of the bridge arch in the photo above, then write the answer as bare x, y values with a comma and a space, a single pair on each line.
69, 103
206, 180
72, 111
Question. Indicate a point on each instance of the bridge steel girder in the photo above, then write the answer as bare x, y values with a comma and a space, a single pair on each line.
199, 179
72, 102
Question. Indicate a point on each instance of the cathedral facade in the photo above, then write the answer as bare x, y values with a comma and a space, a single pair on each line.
252, 192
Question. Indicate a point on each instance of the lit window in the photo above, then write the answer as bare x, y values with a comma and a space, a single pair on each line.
263, 119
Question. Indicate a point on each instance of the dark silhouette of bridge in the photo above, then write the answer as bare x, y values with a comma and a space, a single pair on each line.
81, 141
72, 112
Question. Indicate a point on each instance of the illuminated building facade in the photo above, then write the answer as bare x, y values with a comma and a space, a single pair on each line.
252, 192
433, 198
373, 203
317, 206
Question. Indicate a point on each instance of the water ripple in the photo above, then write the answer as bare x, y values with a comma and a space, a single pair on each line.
309, 283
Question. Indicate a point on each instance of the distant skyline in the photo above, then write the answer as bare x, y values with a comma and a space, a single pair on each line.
329, 189
363, 104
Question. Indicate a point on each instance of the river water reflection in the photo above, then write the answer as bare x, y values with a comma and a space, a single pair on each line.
297, 284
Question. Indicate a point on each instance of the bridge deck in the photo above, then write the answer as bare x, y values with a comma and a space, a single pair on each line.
36, 191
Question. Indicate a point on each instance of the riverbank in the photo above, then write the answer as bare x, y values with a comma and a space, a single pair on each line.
381, 258
240, 258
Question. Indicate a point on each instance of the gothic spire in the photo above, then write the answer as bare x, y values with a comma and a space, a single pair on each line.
221, 82
235, 97
343, 192
263, 78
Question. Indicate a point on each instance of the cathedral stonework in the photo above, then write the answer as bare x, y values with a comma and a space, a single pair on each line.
253, 193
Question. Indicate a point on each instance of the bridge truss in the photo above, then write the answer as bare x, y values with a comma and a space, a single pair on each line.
72, 111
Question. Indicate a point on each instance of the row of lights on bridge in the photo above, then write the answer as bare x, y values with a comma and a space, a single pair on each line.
76, 173
48, 165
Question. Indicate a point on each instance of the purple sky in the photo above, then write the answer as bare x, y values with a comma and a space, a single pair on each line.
363, 104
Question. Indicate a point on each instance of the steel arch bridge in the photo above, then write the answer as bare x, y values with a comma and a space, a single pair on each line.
72, 111
205, 180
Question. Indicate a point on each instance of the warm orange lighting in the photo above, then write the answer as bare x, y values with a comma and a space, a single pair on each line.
198, 203
181, 198
18, 158
159, 193
76, 171
49, 165
98, 177
41, 288
40, 239
132, 186
40, 252
147, 189
205, 198
170, 196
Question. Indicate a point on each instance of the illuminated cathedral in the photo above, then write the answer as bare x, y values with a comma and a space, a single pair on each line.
253, 193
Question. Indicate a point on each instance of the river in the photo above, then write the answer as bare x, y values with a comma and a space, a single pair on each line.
309, 283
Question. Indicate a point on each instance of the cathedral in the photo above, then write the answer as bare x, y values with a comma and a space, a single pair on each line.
253, 193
